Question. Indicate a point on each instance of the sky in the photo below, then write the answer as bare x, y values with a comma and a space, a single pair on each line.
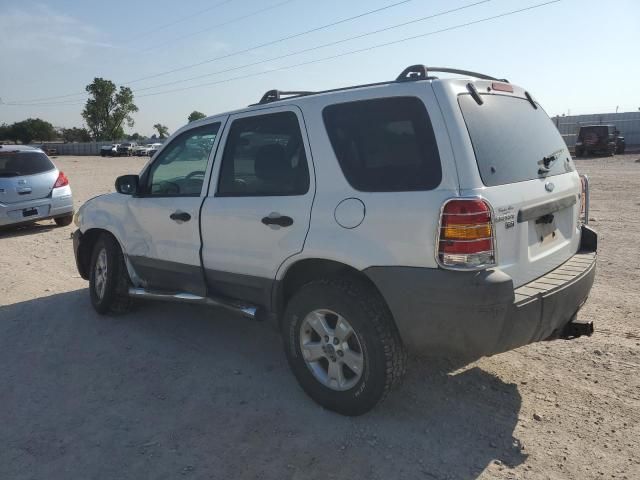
574, 56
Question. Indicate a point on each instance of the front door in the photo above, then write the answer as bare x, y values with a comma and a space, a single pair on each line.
259, 205
163, 240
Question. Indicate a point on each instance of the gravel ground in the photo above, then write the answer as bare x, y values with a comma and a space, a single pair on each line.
175, 390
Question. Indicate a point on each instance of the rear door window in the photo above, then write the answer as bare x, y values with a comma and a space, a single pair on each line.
511, 140
16, 164
384, 145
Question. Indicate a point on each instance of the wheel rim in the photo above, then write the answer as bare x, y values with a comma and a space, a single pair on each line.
100, 275
331, 349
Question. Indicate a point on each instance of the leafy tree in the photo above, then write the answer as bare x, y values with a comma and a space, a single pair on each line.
135, 137
163, 131
4, 132
107, 109
31, 129
195, 115
76, 135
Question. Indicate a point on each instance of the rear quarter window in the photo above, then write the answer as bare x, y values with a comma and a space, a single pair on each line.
14, 164
384, 145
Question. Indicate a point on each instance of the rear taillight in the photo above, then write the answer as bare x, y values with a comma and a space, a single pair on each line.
466, 238
62, 181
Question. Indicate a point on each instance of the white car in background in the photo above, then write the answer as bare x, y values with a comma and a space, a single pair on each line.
145, 150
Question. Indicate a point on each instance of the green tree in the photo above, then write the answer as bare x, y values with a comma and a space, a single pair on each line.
134, 137
195, 115
107, 109
31, 129
4, 132
76, 135
163, 131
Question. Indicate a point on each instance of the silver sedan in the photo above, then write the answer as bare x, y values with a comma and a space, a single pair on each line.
32, 188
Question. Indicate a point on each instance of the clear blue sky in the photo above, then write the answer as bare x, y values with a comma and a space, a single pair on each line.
576, 55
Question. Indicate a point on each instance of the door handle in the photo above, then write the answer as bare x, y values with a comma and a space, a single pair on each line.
180, 216
277, 219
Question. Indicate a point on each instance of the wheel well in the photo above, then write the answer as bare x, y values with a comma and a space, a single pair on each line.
308, 270
89, 238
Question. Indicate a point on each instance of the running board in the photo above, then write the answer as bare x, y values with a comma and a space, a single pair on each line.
245, 310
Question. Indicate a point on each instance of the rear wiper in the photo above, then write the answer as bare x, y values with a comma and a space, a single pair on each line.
546, 162
9, 173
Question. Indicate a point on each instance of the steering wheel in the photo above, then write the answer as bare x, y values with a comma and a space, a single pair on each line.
168, 187
194, 174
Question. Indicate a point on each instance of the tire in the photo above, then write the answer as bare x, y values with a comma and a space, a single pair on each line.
109, 292
579, 152
375, 341
64, 221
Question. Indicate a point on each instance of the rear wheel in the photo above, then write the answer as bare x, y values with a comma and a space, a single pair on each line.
64, 221
342, 345
108, 278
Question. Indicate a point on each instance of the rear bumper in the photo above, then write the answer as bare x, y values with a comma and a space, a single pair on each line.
59, 204
475, 314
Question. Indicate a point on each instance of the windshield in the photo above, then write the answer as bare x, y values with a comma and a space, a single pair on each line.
513, 142
14, 164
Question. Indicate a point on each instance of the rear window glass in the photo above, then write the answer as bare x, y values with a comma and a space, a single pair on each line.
384, 145
511, 140
14, 164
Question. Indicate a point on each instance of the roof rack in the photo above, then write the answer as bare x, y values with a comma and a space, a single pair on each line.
421, 72
275, 95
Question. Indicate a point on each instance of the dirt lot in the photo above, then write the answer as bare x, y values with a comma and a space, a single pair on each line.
171, 390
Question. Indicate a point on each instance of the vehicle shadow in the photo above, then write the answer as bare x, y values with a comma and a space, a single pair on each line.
26, 229
171, 390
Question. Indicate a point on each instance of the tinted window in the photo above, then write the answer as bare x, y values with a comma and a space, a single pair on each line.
511, 138
264, 156
14, 164
384, 145
181, 166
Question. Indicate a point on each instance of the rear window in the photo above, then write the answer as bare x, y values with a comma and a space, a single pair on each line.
511, 140
15, 164
384, 145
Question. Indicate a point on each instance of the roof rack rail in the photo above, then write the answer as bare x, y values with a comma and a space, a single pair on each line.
275, 95
421, 72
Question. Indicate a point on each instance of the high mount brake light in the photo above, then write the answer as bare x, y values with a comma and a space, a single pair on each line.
62, 181
502, 87
466, 237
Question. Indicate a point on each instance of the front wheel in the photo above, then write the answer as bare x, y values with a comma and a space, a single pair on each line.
342, 345
108, 278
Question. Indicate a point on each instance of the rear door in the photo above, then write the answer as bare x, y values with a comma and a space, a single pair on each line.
528, 177
259, 204
25, 175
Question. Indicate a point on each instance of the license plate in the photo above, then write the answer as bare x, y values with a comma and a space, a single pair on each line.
29, 212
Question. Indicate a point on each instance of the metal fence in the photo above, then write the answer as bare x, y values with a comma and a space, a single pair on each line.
628, 123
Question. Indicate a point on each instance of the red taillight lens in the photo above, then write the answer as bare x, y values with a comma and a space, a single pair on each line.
62, 181
466, 234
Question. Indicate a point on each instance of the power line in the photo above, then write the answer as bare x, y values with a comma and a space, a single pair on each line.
360, 50
239, 52
182, 19
218, 25
317, 47
352, 52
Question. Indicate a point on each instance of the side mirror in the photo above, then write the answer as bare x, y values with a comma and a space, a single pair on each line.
127, 184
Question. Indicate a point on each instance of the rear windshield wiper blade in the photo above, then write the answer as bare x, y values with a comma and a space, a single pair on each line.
547, 162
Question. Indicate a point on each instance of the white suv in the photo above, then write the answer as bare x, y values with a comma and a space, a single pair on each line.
433, 215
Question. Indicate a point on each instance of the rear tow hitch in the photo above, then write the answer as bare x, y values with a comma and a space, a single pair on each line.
575, 329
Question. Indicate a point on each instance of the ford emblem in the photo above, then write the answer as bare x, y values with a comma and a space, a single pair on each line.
549, 186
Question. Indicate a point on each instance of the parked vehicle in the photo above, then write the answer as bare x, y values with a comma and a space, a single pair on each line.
145, 150
599, 139
154, 150
439, 216
126, 148
32, 188
109, 150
